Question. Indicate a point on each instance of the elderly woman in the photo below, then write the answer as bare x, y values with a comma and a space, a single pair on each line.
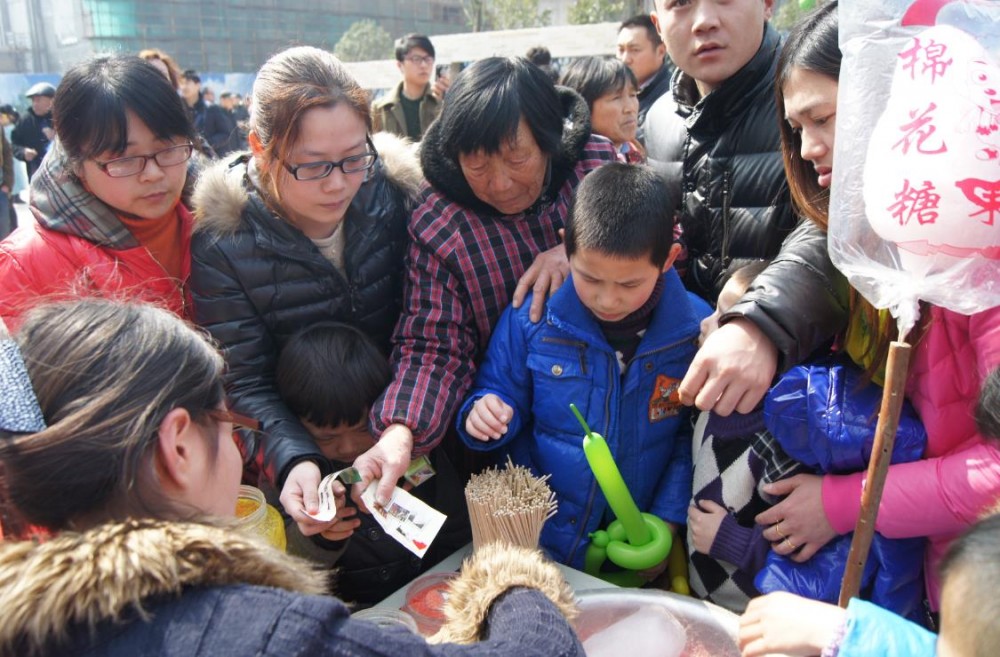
612, 95
503, 161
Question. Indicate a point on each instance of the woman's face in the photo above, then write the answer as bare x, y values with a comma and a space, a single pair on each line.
811, 111
326, 134
614, 115
222, 474
149, 194
510, 180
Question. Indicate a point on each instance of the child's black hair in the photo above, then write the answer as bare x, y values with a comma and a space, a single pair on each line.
743, 271
970, 574
625, 211
988, 407
330, 374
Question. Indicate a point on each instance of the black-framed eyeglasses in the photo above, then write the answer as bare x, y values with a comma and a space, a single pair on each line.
352, 164
245, 427
419, 59
124, 167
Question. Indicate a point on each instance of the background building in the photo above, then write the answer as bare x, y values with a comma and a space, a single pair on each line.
48, 36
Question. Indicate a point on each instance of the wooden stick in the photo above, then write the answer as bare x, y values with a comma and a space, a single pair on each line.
878, 467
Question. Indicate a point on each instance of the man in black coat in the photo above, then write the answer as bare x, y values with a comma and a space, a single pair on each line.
33, 133
717, 135
221, 130
642, 50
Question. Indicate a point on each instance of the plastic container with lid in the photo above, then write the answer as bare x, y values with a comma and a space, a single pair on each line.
387, 618
425, 600
259, 518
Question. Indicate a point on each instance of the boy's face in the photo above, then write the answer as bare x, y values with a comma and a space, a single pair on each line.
341, 443
730, 294
613, 287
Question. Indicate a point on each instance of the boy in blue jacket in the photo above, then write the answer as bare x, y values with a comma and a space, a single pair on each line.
616, 340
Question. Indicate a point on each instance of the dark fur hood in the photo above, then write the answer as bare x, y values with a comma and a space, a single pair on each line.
445, 174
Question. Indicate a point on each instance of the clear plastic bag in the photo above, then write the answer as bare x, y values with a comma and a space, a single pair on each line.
915, 212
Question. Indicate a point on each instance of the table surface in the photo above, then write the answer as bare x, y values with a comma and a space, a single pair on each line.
577, 580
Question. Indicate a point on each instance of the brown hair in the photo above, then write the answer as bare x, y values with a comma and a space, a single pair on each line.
813, 46
106, 374
290, 84
173, 70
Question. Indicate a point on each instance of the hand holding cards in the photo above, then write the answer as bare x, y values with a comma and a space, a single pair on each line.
406, 518
410, 521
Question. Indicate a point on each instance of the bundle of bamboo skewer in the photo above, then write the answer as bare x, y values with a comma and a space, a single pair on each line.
508, 505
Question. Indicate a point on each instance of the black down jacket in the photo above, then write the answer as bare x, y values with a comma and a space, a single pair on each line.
724, 150
256, 280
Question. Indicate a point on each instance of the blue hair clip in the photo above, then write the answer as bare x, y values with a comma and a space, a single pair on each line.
19, 409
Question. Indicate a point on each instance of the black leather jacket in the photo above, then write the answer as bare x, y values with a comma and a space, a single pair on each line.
256, 280
724, 151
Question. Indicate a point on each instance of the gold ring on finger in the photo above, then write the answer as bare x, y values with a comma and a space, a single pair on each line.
777, 528
793, 546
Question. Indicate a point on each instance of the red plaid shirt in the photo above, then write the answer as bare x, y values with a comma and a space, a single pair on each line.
461, 274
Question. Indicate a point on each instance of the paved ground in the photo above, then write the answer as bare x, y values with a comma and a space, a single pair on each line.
23, 214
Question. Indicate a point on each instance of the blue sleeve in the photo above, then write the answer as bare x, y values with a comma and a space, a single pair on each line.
674, 491
874, 632
503, 373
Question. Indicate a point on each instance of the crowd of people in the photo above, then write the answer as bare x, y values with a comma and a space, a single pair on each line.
437, 275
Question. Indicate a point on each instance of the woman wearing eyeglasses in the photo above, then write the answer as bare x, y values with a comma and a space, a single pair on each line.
308, 227
107, 197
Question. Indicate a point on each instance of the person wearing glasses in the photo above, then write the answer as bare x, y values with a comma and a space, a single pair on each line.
308, 227
107, 198
115, 436
410, 107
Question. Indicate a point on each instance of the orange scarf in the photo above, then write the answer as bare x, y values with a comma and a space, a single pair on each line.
162, 237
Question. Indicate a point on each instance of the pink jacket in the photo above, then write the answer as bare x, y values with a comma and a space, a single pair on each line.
959, 477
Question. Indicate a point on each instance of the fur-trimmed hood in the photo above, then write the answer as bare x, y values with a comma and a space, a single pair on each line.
81, 580
223, 189
445, 174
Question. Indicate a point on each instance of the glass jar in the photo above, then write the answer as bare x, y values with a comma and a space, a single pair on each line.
258, 518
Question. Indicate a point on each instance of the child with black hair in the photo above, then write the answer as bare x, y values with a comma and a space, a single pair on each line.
616, 341
970, 573
328, 375
734, 456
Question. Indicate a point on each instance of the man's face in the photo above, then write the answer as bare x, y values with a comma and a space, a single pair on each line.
189, 90
41, 105
417, 66
636, 50
710, 40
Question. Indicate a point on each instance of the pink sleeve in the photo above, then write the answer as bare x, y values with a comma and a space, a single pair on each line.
924, 498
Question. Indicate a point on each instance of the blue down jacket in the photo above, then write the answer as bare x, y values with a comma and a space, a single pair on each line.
823, 419
538, 369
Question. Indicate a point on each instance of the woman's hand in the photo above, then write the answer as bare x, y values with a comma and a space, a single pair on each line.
732, 370
387, 461
488, 418
300, 497
549, 270
798, 526
786, 624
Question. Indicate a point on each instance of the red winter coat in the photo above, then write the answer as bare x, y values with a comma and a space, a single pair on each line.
39, 264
